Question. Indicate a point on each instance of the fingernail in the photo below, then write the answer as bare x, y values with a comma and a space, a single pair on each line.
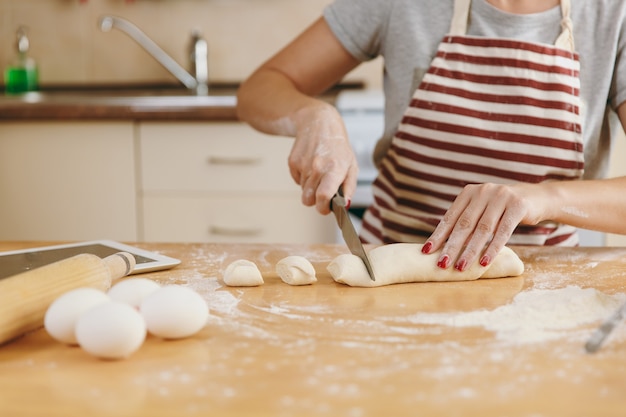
444, 261
428, 246
461, 265
485, 260
348, 202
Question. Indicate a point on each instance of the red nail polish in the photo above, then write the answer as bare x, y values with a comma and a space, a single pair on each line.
428, 246
461, 265
348, 202
444, 261
485, 260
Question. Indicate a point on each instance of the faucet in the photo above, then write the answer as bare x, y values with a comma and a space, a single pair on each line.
198, 54
199, 58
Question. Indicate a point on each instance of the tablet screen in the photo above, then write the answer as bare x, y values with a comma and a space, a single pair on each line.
15, 262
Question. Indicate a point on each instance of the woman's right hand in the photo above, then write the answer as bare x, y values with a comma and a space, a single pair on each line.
322, 158
281, 98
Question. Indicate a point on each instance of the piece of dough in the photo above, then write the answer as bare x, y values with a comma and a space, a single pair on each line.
398, 263
111, 330
243, 273
62, 315
296, 270
174, 312
132, 291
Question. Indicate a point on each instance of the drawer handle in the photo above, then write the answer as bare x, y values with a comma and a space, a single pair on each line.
234, 231
233, 160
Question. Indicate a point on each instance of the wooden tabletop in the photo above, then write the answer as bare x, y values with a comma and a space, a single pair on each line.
481, 348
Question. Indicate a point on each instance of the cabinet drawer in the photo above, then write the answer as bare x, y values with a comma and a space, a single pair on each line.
212, 157
67, 181
234, 219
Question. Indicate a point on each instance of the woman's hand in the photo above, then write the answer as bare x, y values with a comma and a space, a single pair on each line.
321, 158
281, 98
480, 222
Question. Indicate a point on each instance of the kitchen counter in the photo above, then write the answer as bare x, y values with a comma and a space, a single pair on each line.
138, 102
119, 104
501, 347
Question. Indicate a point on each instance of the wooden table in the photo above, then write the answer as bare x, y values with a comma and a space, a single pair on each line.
332, 350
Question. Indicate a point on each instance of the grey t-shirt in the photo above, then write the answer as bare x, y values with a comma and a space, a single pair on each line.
407, 32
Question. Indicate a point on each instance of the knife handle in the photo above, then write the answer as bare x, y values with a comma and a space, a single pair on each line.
340, 199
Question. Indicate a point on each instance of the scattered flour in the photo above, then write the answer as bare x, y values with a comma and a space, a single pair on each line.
536, 315
539, 314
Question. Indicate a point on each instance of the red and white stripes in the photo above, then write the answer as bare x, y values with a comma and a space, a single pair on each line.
488, 110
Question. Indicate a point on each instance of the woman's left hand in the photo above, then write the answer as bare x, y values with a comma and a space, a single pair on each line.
480, 222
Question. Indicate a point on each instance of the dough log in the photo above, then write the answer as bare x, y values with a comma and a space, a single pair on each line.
399, 263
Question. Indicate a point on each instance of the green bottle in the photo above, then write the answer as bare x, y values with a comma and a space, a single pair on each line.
22, 75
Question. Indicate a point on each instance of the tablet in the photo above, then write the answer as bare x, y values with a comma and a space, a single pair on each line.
18, 261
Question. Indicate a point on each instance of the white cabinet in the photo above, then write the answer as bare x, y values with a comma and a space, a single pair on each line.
67, 181
221, 182
151, 181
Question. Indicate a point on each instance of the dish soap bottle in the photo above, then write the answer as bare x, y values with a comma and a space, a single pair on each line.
22, 75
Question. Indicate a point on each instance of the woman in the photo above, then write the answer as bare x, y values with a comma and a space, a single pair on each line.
499, 118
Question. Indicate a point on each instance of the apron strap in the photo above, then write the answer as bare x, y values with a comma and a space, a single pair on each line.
566, 38
458, 27
460, 19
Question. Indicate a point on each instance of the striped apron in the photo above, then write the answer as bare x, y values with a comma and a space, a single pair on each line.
488, 110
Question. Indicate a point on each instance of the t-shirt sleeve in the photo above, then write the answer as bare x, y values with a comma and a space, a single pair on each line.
359, 25
617, 94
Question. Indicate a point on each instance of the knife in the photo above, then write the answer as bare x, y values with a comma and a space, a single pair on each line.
601, 333
338, 206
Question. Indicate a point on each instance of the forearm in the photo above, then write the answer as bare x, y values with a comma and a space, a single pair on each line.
269, 102
592, 204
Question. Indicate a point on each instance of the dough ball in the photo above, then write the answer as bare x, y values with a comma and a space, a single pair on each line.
242, 273
174, 312
296, 270
61, 317
132, 291
111, 330
398, 263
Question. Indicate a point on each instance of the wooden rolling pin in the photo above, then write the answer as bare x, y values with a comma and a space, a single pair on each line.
25, 297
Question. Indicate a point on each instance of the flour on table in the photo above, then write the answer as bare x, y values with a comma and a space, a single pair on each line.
536, 315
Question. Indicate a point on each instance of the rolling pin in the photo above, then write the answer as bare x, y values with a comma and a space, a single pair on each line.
25, 297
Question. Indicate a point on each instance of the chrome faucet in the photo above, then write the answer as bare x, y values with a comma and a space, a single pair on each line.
199, 59
198, 56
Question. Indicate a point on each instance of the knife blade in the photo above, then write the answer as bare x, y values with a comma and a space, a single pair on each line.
601, 333
350, 236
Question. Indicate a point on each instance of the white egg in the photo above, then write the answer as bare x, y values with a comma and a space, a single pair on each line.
112, 330
61, 317
174, 312
132, 291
